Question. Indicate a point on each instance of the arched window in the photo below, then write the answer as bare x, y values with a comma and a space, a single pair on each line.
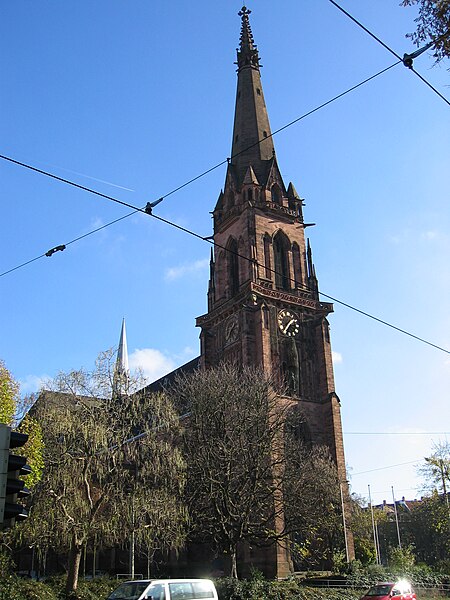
276, 195
250, 194
267, 261
233, 267
297, 264
281, 247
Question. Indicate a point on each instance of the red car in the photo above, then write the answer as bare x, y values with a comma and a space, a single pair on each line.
401, 590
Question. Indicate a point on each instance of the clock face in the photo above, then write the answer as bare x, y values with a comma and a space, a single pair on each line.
288, 322
232, 329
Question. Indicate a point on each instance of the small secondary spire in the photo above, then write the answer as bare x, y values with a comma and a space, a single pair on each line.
121, 371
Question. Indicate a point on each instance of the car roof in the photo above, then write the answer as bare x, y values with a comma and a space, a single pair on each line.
180, 580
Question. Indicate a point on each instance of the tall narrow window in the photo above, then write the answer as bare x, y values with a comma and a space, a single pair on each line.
233, 267
267, 261
297, 264
280, 250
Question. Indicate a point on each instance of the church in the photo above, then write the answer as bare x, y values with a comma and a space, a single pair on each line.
264, 307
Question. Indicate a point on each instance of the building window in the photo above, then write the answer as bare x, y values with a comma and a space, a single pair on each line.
258, 91
267, 244
276, 196
250, 195
233, 267
281, 255
297, 265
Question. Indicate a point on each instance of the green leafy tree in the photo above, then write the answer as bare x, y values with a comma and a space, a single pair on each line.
429, 527
12, 408
362, 528
402, 559
436, 470
9, 395
112, 469
433, 25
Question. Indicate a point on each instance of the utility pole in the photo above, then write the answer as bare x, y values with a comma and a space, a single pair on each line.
343, 522
373, 528
396, 518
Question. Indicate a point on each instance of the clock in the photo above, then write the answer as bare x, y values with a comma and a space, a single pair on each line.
232, 329
288, 322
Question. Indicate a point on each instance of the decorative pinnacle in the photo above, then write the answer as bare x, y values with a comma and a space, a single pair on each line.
246, 32
247, 52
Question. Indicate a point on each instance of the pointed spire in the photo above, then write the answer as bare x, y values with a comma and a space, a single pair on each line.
313, 284
252, 138
121, 371
250, 176
292, 192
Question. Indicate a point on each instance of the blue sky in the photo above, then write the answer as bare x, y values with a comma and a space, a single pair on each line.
141, 95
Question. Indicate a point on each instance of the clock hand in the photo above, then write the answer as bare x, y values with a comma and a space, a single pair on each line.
288, 325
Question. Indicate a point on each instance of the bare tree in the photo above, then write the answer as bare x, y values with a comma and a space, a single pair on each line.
239, 477
313, 503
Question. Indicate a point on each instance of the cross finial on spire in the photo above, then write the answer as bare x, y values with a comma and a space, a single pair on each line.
247, 52
244, 11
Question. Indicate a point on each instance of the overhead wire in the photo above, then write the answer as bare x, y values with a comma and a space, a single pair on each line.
410, 462
302, 286
148, 210
210, 169
174, 190
407, 58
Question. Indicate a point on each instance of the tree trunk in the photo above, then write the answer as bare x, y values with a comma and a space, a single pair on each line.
233, 569
74, 566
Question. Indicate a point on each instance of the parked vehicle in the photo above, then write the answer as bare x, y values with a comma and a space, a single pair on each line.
400, 590
165, 589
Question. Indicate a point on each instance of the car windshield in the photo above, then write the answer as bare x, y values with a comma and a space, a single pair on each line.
379, 590
131, 590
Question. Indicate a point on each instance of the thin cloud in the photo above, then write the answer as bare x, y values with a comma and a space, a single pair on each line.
337, 357
32, 384
430, 235
153, 363
174, 273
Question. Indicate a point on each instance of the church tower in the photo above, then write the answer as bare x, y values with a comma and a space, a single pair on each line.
263, 299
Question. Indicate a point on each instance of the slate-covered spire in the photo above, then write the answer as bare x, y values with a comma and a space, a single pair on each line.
251, 121
121, 371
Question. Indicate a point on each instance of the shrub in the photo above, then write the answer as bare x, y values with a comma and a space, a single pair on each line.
13, 588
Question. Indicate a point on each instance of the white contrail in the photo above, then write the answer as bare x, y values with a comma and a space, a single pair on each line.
90, 177
122, 187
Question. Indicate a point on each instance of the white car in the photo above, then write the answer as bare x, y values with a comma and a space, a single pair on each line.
165, 589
